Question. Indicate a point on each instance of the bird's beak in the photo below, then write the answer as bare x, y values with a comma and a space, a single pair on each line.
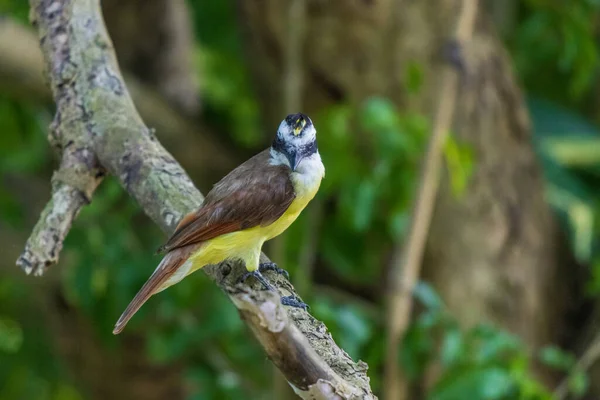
294, 160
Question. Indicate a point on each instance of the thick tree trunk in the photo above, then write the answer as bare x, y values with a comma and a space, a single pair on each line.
492, 253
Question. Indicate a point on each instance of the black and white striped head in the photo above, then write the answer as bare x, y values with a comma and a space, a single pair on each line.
296, 140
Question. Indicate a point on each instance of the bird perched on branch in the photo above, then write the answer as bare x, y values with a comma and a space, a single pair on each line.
252, 204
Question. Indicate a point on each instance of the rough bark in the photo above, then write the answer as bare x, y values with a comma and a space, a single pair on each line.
491, 253
88, 87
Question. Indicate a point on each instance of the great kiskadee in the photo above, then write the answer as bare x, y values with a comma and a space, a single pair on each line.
252, 204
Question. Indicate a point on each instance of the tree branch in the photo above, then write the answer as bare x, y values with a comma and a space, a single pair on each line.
22, 75
88, 87
406, 261
72, 184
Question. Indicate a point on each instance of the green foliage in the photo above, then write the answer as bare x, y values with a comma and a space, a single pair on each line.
480, 363
556, 41
22, 128
229, 100
413, 77
568, 148
11, 335
485, 383
18, 10
578, 381
228, 97
556, 358
352, 327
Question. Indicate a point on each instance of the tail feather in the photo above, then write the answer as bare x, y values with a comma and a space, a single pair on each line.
167, 267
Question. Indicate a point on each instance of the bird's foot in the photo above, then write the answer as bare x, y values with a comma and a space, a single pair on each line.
271, 266
293, 301
258, 276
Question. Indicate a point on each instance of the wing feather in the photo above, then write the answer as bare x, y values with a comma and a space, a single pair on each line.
253, 194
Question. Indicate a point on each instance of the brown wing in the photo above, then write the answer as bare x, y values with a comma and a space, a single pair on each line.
255, 193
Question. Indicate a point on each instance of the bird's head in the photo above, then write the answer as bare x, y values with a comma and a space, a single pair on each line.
296, 139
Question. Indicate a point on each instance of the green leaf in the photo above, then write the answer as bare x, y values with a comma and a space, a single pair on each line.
417, 350
344, 251
398, 223
553, 120
66, 392
459, 160
431, 319
227, 93
378, 114
11, 335
452, 347
364, 202
575, 150
578, 383
158, 348
335, 120
582, 218
474, 384
413, 77
557, 358
417, 126
427, 295
356, 327
496, 346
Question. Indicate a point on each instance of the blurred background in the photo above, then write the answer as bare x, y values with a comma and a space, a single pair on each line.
507, 302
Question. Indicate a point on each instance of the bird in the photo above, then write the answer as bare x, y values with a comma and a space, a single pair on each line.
252, 204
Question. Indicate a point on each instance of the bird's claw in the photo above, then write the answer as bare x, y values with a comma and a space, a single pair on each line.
293, 301
271, 266
258, 276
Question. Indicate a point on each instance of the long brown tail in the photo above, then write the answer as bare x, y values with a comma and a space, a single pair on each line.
169, 264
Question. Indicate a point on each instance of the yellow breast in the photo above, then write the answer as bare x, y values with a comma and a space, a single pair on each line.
303, 197
247, 244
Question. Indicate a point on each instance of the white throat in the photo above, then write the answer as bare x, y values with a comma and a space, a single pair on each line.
311, 165
308, 173
307, 165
